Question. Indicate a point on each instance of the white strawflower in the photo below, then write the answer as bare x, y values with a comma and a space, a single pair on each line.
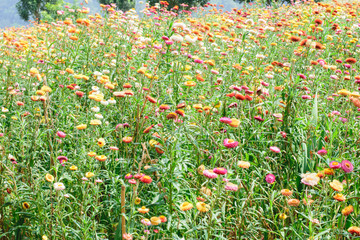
59, 186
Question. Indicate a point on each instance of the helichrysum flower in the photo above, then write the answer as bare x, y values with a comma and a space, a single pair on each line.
146, 221
270, 178
294, 202
185, 206
310, 179
49, 177
347, 210
220, 171
59, 186
101, 142
155, 221
229, 143
339, 197
202, 207
231, 187
334, 165
143, 210
354, 230
336, 185
286, 192
243, 164
275, 149
347, 166
89, 174
209, 174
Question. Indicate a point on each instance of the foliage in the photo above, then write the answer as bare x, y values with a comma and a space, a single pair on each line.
32, 8
124, 5
231, 125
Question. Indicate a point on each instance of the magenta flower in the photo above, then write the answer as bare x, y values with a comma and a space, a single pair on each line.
237, 88
220, 171
61, 134
229, 143
258, 118
302, 76
347, 166
334, 165
209, 174
270, 178
306, 97
231, 105
275, 149
322, 152
225, 120
62, 159
265, 84
128, 176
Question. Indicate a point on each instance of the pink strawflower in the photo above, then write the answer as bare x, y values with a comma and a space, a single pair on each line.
132, 181
127, 236
231, 187
270, 178
258, 118
334, 165
302, 76
229, 143
61, 134
322, 152
62, 159
220, 171
225, 120
347, 166
146, 222
265, 84
306, 97
209, 174
128, 176
275, 149
139, 175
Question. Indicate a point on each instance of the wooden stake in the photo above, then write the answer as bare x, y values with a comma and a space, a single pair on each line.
123, 226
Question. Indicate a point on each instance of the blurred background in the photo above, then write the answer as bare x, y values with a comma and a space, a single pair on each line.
16, 13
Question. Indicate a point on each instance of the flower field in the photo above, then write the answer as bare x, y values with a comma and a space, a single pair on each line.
184, 123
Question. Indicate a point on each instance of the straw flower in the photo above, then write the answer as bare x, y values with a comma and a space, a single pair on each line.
354, 230
347, 210
339, 197
294, 202
310, 179
143, 210
49, 177
243, 164
59, 186
185, 206
286, 192
202, 207
209, 174
336, 185
155, 221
